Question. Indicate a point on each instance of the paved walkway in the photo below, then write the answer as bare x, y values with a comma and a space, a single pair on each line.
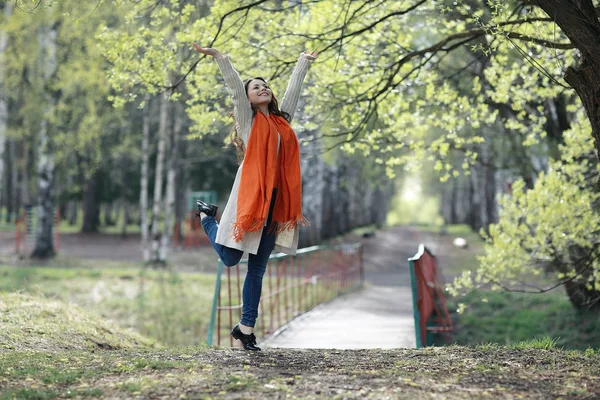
375, 317
378, 316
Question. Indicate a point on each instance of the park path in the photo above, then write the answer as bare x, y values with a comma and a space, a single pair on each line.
378, 316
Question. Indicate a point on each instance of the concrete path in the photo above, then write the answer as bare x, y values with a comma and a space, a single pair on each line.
378, 316
375, 317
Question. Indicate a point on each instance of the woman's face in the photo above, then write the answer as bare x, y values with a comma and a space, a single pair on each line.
259, 92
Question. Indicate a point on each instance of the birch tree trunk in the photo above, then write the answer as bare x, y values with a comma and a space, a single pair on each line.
44, 245
158, 178
26, 178
171, 177
3, 100
14, 200
144, 180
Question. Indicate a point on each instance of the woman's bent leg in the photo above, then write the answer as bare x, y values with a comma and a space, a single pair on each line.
229, 256
257, 265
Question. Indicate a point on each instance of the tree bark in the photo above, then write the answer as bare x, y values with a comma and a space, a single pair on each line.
158, 179
125, 220
72, 209
26, 178
173, 146
8, 7
108, 214
14, 194
144, 180
44, 244
579, 22
91, 209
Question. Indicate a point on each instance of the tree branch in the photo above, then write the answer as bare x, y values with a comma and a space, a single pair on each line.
542, 42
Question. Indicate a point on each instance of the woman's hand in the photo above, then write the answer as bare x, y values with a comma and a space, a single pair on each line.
207, 51
312, 56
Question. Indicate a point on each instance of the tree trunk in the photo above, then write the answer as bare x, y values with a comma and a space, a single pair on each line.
91, 209
171, 176
44, 245
3, 100
181, 188
144, 180
125, 220
14, 194
108, 214
72, 209
26, 181
158, 178
579, 21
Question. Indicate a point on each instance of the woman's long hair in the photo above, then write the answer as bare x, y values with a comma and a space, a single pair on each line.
235, 138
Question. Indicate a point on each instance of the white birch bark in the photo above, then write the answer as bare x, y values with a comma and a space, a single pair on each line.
171, 177
8, 7
44, 246
15, 176
158, 178
144, 180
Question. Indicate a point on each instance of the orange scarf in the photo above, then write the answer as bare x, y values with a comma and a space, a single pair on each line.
263, 170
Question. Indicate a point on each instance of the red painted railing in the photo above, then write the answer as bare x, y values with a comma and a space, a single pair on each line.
429, 304
292, 285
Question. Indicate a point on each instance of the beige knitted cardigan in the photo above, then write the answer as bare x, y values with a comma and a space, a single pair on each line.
287, 241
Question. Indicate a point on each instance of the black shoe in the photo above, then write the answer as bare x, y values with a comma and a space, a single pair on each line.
206, 208
249, 341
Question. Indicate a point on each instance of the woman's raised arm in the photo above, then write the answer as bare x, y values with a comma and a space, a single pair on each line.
292, 93
241, 106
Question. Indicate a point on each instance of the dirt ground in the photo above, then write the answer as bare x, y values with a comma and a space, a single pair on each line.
207, 373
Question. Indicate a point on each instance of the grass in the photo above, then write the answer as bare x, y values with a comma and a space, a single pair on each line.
510, 318
169, 307
452, 372
39, 324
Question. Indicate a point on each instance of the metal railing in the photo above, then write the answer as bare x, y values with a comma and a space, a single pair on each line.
429, 305
292, 285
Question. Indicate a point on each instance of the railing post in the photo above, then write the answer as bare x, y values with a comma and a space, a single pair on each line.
415, 297
213, 314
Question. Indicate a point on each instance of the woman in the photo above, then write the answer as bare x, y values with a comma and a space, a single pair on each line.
264, 209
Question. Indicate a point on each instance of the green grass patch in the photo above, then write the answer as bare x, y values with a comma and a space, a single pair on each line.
39, 324
28, 394
523, 320
170, 307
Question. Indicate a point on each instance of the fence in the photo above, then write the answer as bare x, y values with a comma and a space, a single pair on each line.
188, 234
429, 304
292, 285
26, 227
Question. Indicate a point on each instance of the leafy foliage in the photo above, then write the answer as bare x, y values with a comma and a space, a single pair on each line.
539, 229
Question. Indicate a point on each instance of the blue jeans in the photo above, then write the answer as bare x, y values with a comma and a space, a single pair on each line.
257, 265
